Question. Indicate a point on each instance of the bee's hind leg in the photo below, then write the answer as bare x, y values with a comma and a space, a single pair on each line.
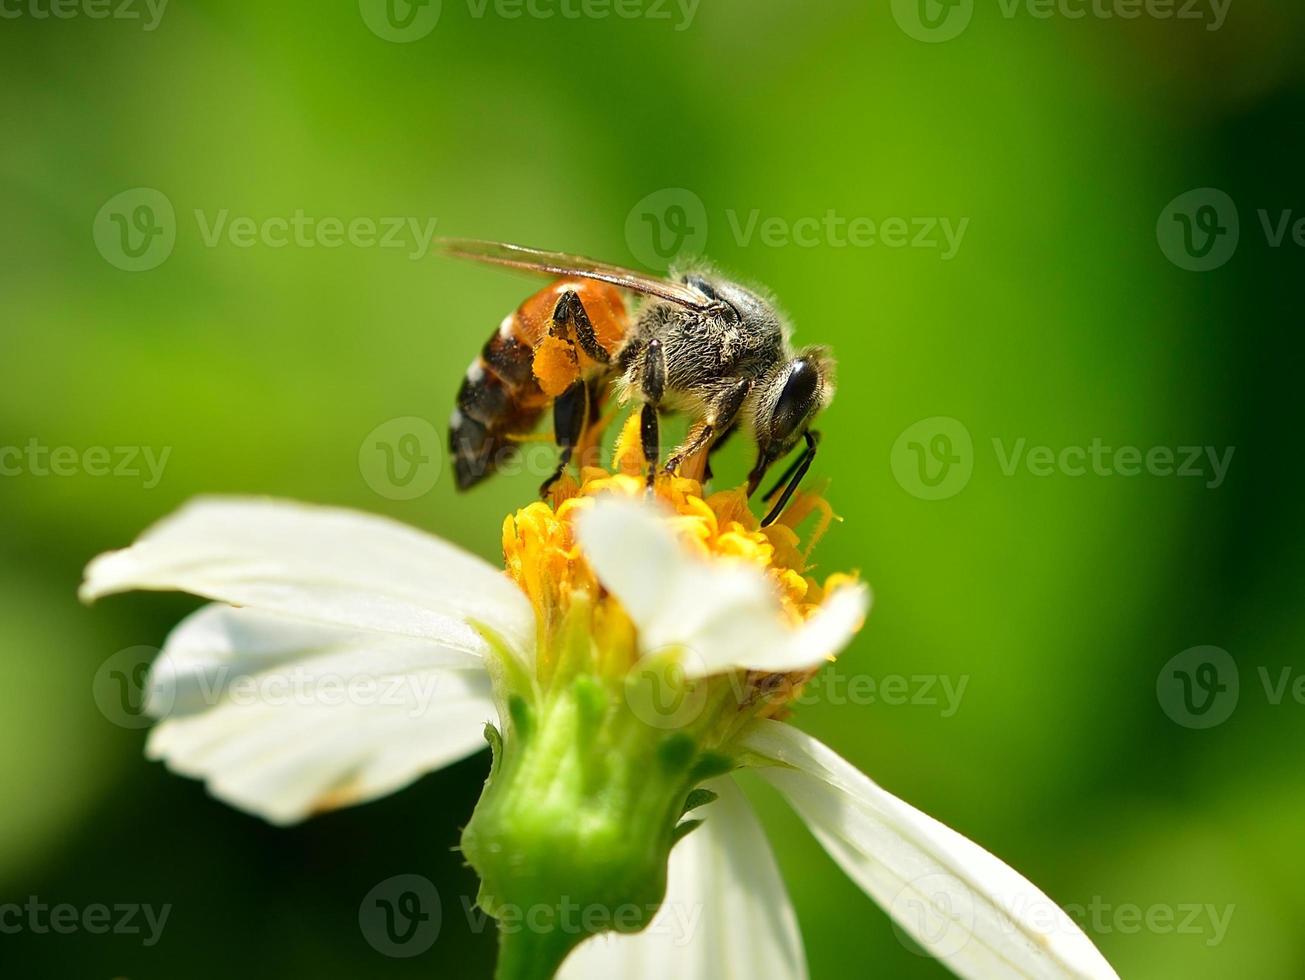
570, 413
570, 311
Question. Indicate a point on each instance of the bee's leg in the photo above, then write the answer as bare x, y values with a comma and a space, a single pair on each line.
570, 311
653, 384
791, 478
570, 410
720, 416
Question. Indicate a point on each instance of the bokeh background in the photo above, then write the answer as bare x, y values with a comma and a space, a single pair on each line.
1072, 309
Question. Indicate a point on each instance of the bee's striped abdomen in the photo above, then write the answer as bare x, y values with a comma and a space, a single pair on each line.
498, 398
501, 397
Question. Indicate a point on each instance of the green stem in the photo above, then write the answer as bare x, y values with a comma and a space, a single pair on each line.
532, 954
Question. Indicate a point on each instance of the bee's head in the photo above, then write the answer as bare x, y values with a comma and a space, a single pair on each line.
786, 404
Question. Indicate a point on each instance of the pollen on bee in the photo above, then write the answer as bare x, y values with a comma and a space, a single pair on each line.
555, 366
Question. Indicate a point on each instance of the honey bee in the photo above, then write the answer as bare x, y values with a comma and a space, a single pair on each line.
695, 343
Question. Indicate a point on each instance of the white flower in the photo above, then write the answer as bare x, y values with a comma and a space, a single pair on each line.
305, 595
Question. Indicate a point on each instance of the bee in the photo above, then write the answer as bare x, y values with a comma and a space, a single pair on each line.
695, 343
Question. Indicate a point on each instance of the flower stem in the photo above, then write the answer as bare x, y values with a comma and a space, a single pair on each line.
531, 954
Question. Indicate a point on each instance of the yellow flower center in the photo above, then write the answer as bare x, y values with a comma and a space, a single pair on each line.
542, 555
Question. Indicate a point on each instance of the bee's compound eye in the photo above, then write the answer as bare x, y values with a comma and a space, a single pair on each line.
796, 400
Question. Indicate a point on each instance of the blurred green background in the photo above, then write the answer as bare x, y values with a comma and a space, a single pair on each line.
1064, 315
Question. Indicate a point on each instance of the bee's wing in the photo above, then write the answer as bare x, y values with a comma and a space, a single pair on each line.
561, 264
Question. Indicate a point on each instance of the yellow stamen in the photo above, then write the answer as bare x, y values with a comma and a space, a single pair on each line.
541, 554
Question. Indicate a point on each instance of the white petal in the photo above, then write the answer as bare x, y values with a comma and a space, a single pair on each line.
338, 567
956, 900
284, 718
724, 614
726, 912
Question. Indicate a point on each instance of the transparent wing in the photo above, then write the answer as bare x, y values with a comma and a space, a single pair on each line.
561, 264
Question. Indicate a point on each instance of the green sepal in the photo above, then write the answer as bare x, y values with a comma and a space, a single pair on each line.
495, 740
699, 797
683, 830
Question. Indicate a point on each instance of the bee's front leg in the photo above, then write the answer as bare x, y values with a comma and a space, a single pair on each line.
652, 382
791, 478
721, 415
